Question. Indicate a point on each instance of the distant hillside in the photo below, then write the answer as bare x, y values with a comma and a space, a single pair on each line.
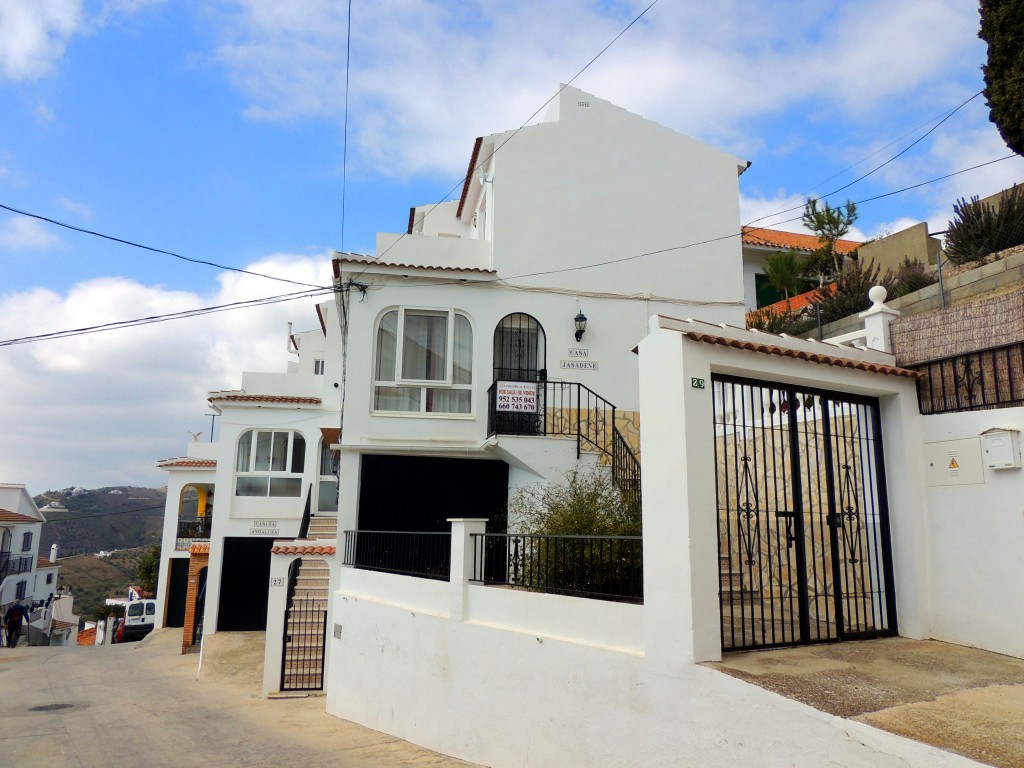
93, 579
102, 519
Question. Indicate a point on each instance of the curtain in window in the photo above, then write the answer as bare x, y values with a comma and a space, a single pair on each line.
463, 354
244, 452
387, 346
424, 344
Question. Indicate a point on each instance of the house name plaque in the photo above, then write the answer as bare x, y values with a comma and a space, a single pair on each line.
516, 396
579, 365
264, 528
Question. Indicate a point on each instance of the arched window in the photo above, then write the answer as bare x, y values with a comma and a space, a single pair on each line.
424, 362
519, 349
270, 463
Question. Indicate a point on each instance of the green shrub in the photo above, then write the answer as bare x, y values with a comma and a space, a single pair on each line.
588, 503
909, 276
850, 293
979, 229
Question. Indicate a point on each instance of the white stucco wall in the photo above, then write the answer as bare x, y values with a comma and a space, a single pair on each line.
975, 542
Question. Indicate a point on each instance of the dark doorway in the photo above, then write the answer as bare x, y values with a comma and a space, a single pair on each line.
419, 494
200, 614
244, 585
177, 586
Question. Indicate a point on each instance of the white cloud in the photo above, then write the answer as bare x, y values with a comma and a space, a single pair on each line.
73, 206
100, 409
429, 76
20, 233
33, 35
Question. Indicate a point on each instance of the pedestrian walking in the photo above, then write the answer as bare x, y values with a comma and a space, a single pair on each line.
12, 622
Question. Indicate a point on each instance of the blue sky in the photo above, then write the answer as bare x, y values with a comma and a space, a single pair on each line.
213, 128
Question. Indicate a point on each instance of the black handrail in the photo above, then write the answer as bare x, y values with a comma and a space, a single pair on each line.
572, 409
306, 513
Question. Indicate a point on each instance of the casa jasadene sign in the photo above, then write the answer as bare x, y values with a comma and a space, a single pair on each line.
579, 360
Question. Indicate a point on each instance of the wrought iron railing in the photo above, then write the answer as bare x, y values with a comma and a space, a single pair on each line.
305, 635
12, 565
600, 567
426, 555
571, 409
982, 380
190, 530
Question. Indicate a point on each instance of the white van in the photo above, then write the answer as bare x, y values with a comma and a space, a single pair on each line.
139, 617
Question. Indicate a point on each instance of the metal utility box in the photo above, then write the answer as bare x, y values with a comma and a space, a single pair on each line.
1000, 448
954, 462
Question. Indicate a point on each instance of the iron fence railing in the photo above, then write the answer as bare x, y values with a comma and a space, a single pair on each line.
305, 635
599, 567
982, 380
425, 555
190, 530
571, 409
12, 565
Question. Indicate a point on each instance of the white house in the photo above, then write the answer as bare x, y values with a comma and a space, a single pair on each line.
228, 500
25, 575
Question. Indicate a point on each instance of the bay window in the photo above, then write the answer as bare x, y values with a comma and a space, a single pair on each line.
269, 463
424, 362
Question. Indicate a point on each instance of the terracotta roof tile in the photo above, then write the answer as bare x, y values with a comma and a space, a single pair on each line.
87, 636
184, 462
303, 549
378, 262
200, 548
469, 174
799, 301
776, 238
6, 516
44, 562
59, 624
799, 354
241, 397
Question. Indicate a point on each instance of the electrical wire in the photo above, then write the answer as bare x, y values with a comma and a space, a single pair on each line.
878, 167
454, 281
152, 249
514, 133
119, 324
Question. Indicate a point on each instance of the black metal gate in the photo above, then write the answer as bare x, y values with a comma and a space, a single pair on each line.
803, 524
305, 634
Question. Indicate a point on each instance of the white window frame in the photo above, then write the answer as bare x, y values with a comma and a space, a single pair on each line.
271, 474
318, 367
447, 382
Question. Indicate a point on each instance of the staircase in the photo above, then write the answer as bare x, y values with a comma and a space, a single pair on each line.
305, 622
571, 409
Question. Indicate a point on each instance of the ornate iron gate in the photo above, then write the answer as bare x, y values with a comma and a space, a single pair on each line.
803, 527
519, 355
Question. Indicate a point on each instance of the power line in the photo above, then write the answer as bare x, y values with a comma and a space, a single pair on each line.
877, 167
514, 133
119, 324
152, 249
344, 134
455, 281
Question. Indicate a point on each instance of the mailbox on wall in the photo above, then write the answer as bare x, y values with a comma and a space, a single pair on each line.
1000, 448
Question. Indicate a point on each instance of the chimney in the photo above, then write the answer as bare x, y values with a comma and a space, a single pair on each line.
53, 553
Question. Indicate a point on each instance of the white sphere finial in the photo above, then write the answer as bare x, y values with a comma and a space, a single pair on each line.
877, 296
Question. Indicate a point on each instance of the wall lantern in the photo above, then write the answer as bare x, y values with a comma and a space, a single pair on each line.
581, 324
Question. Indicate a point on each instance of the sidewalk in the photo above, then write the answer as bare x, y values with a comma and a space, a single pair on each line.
141, 704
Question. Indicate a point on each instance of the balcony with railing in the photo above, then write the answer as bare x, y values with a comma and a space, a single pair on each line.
12, 565
190, 531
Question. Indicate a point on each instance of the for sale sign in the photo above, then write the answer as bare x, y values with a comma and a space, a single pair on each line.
518, 396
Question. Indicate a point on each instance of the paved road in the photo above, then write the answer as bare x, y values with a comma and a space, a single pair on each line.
142, 704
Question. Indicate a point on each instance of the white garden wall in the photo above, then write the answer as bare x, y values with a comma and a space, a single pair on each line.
976, 541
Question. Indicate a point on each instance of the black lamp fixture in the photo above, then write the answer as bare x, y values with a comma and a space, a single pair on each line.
581, 324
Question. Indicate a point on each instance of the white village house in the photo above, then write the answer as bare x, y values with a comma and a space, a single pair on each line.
361, 498
29, 577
